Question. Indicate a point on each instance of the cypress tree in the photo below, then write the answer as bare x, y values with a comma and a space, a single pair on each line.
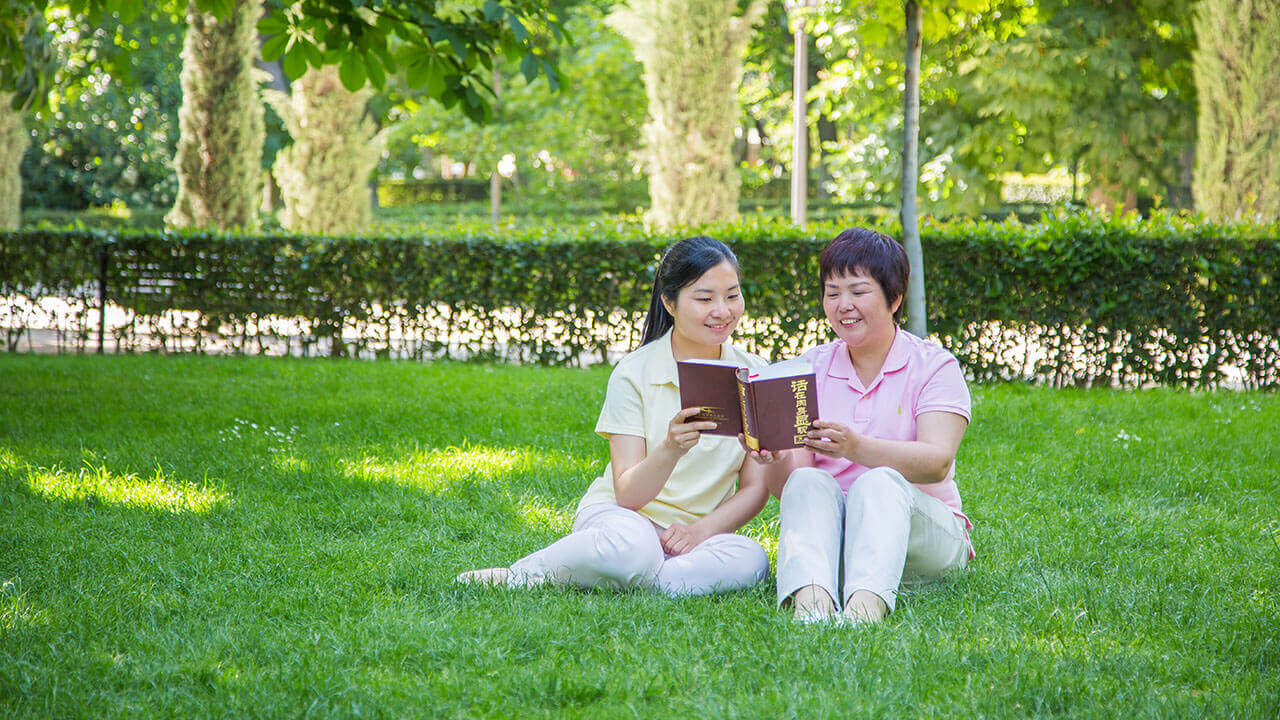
692, 53
1237, 71
13, 142
221, 122
324, 175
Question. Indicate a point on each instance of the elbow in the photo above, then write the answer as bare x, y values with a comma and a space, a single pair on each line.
938, 471
626, 497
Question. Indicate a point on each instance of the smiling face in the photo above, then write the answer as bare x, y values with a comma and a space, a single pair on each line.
857, 309
707, 310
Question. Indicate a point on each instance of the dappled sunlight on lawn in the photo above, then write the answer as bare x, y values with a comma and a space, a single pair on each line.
536, 514
129, 490
444, 468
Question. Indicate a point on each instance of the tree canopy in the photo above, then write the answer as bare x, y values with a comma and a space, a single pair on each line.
446, 47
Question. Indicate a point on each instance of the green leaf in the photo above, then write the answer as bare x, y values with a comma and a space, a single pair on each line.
435, 78
272, 25
416, 74
314, 57
352, 72
295, 61
129, 10
373, 68
529, 67
517, 28
492, 10
274, 47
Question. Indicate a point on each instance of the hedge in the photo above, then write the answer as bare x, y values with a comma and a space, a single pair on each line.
1072, 300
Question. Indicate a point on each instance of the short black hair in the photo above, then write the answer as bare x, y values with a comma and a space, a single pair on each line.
870, 253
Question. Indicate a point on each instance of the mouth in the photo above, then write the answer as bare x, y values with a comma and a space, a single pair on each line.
849, 322
718, 328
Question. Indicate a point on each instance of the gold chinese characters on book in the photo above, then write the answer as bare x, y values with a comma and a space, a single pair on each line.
772, 407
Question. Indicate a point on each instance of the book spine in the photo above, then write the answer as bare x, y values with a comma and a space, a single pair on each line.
749, 431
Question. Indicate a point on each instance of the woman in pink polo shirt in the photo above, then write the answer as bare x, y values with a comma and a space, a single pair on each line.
876, 498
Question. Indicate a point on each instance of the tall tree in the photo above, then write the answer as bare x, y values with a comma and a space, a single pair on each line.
220, 151
13, 142
692, 52
917, 323
1237, 71
323, 176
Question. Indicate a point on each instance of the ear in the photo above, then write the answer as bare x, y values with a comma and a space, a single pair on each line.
893, 306
670, 305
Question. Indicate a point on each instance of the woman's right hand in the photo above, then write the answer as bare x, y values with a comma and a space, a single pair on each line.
682, 434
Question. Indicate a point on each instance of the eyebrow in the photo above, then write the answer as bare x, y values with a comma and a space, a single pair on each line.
856, 281
711, 290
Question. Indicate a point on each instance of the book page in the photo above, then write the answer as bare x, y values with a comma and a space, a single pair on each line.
786, 368
704, 361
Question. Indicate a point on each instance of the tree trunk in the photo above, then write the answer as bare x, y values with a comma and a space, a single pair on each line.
495, 177
13, 142
800, 125
917, 323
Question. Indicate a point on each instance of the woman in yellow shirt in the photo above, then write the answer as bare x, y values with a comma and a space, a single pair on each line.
663, 514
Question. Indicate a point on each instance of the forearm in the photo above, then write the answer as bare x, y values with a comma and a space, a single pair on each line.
736, 511
641, 483
776, 474
919, 462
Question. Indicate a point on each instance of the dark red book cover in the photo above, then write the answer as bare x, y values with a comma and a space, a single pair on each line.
772, 407
713, 386
777, 410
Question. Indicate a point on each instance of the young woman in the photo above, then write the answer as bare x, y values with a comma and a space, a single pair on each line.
877, 495
663, 513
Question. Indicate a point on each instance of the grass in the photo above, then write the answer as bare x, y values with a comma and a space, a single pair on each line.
227, 537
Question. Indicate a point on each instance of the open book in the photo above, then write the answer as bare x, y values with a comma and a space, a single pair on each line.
771, 406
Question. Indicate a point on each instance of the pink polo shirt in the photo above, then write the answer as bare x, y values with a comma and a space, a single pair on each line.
918, 377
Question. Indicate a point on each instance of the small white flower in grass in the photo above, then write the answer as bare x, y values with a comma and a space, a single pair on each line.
1124, 438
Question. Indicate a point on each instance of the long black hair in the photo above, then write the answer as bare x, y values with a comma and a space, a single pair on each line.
683, 263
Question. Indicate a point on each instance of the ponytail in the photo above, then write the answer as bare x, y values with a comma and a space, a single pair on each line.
681, 264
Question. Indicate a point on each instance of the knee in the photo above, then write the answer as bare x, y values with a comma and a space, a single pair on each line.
806, 483
749, 556
880, 485
630, 553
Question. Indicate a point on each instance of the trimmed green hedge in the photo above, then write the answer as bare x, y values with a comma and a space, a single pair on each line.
1076, 300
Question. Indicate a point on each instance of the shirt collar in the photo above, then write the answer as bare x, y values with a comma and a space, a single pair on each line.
842, 365
661, 366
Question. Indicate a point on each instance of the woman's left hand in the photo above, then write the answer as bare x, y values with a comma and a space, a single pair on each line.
764, 457
680, 539
832, 439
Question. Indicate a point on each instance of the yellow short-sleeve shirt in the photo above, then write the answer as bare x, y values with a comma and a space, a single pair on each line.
642, 397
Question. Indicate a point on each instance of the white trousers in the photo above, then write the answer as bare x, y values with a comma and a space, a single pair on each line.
616, 548
891, 534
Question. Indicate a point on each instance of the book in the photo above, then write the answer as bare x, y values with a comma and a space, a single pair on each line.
772, 406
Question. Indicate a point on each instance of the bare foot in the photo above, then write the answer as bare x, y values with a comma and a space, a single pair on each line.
812, 605
488, 576
864, 608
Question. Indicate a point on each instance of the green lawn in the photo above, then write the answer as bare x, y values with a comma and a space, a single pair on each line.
227, 537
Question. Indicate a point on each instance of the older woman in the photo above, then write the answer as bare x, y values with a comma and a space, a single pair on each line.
876, 498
